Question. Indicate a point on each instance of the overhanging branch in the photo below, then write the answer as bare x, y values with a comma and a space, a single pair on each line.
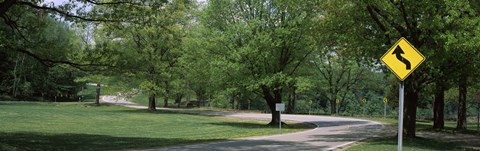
64, 13
372, 9
5, 5
50, 62
111, 3
301, 61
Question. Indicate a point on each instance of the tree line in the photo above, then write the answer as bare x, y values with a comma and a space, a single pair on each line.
244, 54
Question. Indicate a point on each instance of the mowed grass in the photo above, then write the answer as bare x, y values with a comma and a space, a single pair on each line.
426, 125
415, 144
81, 126
450, 127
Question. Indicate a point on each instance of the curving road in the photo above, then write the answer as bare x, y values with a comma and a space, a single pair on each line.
332, 133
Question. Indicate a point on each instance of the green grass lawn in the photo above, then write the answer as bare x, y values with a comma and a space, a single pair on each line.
450, 126
417, 144
426, 125
83, 126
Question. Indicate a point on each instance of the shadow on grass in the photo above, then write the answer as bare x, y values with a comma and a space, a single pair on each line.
177, 111
428, 127
41, 141
254, 145
417, 143
131, 110
264, 125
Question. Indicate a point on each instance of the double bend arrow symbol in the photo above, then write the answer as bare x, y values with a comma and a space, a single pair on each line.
398, 52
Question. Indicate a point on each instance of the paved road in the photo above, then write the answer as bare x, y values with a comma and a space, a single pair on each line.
332, 133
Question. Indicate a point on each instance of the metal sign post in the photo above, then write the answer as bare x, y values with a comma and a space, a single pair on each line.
400, 115
338, 106
385, 101
310, 102
364, 102
402, 59
280, 119
280, 107
363, 110
384, 110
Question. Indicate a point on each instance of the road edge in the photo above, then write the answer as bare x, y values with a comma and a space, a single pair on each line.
338, 147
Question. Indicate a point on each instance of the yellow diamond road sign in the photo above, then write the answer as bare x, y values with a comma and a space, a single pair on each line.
364, 101
402, 58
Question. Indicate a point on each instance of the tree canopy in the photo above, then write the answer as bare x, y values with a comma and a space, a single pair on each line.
245, 54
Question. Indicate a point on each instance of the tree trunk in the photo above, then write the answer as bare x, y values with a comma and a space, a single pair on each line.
410, 112
97, 97
232, 100
462, 103
333, 105
201, 97
14, 89
167, 92
178, 99
272, 98
17, 78
438, 107
291, 102
188, 99
165, 101
151, 102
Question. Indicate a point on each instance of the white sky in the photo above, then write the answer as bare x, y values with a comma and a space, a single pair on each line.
58, 2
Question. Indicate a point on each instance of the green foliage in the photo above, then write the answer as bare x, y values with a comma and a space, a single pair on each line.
374, 25
256, 48
146, 49
445, 32
237, 53
28, 51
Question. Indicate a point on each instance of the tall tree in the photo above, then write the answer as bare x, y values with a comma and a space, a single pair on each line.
154, 40
438, 106
371, 27
37, 35
266, 41
339, 74
199, 74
